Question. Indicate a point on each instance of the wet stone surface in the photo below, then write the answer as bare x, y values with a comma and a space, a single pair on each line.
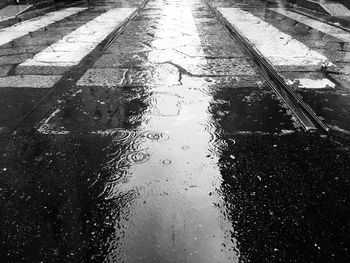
172, 148
319, 41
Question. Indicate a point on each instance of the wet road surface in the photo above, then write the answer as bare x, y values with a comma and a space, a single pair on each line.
169, 147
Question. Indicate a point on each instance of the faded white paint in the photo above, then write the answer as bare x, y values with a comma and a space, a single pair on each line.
9, 34
305, 83
70, 50
320, 26
277, 47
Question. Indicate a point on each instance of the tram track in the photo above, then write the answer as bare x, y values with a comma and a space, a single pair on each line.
304, 114
44, 105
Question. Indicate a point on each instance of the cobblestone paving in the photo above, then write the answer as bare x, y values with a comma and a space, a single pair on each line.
167, 145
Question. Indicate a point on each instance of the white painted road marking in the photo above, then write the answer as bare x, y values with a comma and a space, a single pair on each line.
279, 48
9, 34
320, 26
306, 83
70, 50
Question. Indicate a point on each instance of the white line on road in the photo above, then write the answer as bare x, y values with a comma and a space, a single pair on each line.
70, 50
9, 34
320, 26
279, 48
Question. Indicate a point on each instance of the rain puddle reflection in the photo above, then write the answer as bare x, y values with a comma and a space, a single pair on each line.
168, 167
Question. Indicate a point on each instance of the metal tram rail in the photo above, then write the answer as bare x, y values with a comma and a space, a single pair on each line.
304, 114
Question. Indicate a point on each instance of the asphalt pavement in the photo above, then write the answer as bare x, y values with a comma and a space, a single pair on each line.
174, 131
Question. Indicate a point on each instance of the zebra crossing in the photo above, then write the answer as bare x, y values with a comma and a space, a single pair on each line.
23, 28
70, 50
321, 26
281, 49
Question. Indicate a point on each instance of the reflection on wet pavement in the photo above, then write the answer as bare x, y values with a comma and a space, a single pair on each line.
159, 155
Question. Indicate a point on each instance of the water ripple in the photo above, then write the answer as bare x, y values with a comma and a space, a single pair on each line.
137, 157
156, 136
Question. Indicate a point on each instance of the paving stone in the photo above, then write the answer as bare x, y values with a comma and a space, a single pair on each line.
315, 34
29, 81
221, 51
299, 68
245, 81
122, 60
57, 32
106, 77
309, 75
37, 41
300, 29
220, 37
224, 67
343, 80
14, 59
342, 68
329, 38
4, 70
346, 46
319, 44
127, 46
164, 74
20, 50
40, 70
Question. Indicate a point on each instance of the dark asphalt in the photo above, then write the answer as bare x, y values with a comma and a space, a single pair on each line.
168, 145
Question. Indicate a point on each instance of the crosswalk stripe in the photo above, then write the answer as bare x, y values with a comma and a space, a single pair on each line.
279, 48
11, 33
70, 50
320, 26
162, 52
